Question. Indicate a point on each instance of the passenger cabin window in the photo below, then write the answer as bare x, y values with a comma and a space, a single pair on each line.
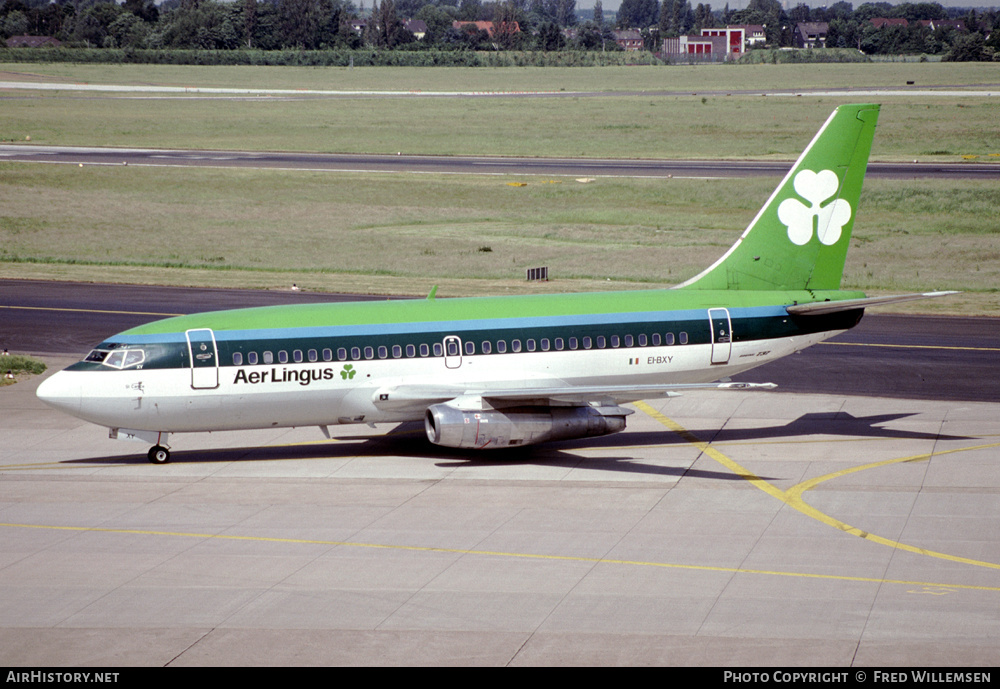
237, 358
252, 358
683, 339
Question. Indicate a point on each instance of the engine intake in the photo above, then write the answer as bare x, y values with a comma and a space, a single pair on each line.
450, 426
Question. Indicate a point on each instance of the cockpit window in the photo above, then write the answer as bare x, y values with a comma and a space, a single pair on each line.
96, 356
133, 357
119, 358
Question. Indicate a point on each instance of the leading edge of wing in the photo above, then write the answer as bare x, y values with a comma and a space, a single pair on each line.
822, 307
414, 397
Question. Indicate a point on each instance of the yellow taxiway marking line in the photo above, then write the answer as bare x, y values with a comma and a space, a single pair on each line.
503, 554
126, 313
793, 496
794, 499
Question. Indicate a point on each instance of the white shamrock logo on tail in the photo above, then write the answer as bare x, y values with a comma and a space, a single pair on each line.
828, 221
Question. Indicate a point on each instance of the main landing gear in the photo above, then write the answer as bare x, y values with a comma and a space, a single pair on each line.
158, 454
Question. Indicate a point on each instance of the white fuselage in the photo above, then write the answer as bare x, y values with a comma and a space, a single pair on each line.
321, 393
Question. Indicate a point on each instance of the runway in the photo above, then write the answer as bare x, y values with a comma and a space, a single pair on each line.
721, 529
483, 165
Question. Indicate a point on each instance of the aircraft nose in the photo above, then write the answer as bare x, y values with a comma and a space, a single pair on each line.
61, 391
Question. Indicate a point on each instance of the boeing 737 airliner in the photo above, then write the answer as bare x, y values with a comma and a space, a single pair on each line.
499, 372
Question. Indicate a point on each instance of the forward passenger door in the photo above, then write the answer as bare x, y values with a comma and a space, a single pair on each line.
204, 357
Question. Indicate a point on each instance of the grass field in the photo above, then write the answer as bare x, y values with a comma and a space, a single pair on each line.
475, 235
668, 123
19, 367
685, 79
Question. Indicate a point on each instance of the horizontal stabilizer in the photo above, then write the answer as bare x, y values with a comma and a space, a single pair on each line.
819, 308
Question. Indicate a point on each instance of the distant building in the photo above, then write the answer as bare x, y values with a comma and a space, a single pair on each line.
417, 27
629, 39
753, 34
933, 24
735, 39
699, 48
811, 34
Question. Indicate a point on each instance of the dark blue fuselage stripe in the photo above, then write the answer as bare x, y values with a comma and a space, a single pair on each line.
646, 318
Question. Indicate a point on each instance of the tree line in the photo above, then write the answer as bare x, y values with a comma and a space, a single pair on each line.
523, 25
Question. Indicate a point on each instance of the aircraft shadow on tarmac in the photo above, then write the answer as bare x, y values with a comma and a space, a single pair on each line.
408, 440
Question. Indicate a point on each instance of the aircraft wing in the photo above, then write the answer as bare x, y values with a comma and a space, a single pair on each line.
818, 308
417, 397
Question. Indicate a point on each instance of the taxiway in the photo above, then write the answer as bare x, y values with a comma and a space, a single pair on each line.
732, 528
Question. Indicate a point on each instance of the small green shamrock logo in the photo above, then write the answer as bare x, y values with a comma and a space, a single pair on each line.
348, 372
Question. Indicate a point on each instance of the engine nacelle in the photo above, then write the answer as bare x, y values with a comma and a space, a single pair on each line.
492, 429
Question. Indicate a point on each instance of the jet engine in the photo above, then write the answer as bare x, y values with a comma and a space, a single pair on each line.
491, 428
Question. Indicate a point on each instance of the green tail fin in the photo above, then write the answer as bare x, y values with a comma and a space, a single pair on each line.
799, 238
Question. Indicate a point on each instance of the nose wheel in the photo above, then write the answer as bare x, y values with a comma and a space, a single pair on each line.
158, 454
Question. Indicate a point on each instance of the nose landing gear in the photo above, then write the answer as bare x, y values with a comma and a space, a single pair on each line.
158, 454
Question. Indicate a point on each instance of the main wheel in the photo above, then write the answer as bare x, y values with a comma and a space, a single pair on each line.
158, 454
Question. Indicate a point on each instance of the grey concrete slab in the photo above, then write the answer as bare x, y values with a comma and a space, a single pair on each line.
280, 547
